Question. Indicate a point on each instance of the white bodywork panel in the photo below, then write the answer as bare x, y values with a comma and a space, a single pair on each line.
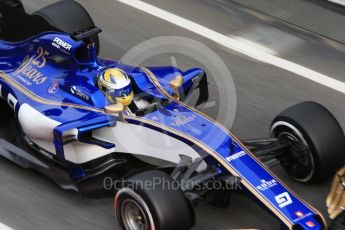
140, 140
128, 138
34, 124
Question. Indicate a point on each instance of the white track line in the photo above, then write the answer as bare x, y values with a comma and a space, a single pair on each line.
237, 45
4, 227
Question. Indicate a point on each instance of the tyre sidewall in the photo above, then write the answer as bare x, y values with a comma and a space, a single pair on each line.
322, 133
169, 207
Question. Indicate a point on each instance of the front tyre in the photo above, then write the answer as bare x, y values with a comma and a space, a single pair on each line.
150, 201
317, 147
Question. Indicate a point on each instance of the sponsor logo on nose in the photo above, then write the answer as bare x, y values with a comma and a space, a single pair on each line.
283, 199
236, 156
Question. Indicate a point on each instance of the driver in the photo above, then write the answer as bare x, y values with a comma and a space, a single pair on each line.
116, 86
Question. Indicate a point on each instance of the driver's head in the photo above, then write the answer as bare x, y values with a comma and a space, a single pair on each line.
116, 85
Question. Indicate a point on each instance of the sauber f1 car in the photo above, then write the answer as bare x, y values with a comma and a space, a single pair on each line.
61, 117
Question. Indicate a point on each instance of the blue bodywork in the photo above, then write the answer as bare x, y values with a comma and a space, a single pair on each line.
61, 84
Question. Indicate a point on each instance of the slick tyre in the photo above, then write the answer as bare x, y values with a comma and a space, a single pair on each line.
318, 142
148, 203
68, 16
14, 3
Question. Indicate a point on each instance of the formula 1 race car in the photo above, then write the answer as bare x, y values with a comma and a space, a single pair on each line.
89, 123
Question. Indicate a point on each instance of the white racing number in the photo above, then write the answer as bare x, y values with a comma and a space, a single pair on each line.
11, 100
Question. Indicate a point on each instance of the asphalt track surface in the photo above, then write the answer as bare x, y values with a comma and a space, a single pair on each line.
30, 201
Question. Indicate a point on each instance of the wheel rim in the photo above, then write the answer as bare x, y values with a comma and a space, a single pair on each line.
133, 215
132, 212
300, 165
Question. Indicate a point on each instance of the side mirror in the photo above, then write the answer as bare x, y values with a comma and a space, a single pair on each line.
175, 85
114, 108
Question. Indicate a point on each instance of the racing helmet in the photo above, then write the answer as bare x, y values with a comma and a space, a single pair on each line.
116, 85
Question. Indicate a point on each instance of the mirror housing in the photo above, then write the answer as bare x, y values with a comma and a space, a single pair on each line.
175, 85
114, 108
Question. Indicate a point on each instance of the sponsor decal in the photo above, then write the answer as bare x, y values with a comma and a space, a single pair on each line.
266, 184
79, 93
300, 215
58, 43
182, 120
28, 72
310, 224
54, 87
283, 199
236, 156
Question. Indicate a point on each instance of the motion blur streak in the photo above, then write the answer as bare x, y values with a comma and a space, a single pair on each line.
237, 45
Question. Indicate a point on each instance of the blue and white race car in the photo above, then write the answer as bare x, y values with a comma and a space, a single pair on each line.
104, 128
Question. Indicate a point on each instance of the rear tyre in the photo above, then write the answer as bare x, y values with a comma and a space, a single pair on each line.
318, 142
14, 3
150, 202
68, 16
